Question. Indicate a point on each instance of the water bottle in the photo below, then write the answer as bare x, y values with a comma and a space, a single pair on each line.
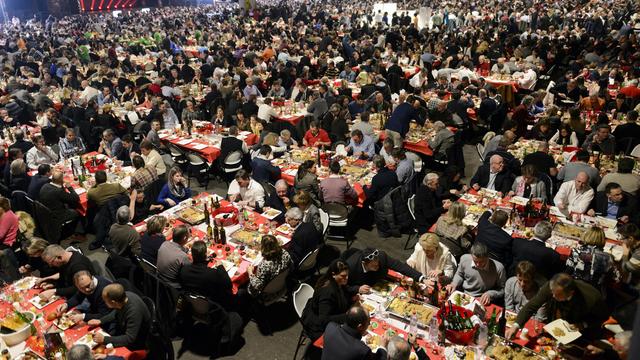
413, 324
433, 330
482, 337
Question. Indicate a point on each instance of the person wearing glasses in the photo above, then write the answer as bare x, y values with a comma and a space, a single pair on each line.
368, 266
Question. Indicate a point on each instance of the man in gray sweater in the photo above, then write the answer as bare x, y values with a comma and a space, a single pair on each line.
480, 276
131, 316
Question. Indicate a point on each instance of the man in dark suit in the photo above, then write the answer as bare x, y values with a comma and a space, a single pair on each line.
306, 237
213, 283
20, 142
383, 182
60, 198
493, 176
230, 144
343, 342
128, 147
613, 203
280, 200
487, 106
38, 180
368, 266
498, 241
545, 259
429, 202
263, 170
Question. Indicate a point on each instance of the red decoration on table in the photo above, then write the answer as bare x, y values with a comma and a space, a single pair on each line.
463, 337
232, 219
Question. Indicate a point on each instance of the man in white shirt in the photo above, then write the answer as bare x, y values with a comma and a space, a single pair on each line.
88, 91
266, 111
528, 79
574, 196
152, 158
246, 191
419, 79
40, 154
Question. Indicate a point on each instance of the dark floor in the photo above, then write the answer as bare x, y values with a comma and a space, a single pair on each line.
282, 344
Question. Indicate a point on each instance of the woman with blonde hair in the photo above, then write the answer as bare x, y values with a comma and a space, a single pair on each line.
432, 259
33, 248
454, 234
589, 262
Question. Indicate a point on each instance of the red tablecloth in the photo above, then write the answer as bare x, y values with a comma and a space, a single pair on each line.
210, 152
357, 187
242, 276
497, 83
421, 147
534, 327
292, 119
72, 334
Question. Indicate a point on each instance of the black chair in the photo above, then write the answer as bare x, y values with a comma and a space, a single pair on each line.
625, 145
150, 282
178, 156
4, 190
159, 345
20, 201
53, 231
209, 329
198, 167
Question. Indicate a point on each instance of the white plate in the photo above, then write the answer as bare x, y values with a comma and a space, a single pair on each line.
25, 283
36, 303
199, 146
271, 213
90, 343
567, 337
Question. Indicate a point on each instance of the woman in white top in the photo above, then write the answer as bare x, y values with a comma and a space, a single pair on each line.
432, 259
565, 136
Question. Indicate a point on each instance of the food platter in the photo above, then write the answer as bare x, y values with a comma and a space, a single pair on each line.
247, 237
568, 231
29, 355
190, 215
384, 288
502, 349
405, 307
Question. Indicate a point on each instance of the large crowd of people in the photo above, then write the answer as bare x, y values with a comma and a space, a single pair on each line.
557, 74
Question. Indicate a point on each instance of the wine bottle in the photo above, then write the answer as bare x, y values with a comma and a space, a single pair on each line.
434, 294
442, 332
502, 324
492, 322
216, 234
544, 210
223, 235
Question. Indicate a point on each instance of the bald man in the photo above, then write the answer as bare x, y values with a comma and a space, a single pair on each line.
60, 198
574, 196
131, 317
493, 176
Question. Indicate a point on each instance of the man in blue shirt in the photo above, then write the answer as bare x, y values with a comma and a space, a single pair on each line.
398, 125
356, 107
361, 145
613, 203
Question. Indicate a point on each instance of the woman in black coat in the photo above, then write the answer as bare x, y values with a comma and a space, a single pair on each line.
330, 302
